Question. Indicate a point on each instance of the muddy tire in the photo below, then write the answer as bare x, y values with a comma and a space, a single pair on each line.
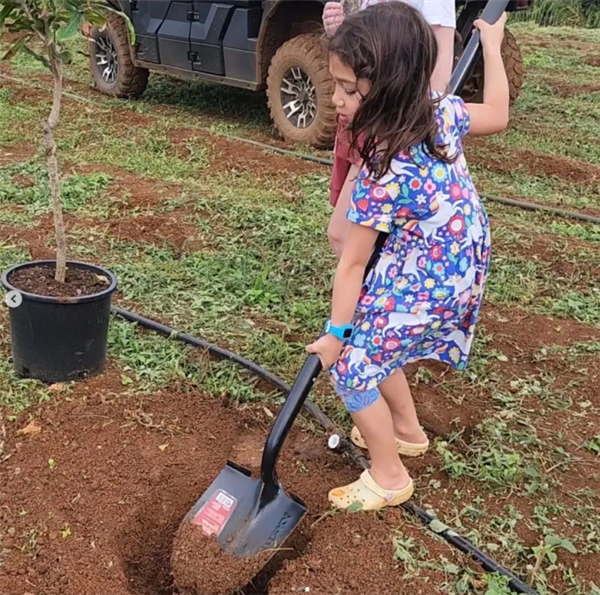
111, 64
513, 62
299, 89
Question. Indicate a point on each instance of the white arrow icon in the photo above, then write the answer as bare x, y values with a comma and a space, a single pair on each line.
13, 299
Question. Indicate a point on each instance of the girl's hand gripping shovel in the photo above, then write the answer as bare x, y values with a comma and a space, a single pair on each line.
248, 516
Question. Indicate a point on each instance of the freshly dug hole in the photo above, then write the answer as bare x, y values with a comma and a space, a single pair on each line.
200, 567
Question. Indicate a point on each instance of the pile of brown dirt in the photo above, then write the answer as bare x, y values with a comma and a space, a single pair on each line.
94, 497
200, 567
170, 230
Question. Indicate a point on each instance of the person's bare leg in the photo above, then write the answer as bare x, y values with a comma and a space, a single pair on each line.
397, 395
376, 426
338, 228
445, 63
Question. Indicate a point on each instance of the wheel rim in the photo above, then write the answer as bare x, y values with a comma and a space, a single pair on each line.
107, 61
298, 98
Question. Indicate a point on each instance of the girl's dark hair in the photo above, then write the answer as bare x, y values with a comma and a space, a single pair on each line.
392, 46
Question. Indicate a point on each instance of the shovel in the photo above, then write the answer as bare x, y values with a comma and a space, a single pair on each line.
248, 516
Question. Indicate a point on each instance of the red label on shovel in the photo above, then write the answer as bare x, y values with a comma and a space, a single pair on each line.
213, 516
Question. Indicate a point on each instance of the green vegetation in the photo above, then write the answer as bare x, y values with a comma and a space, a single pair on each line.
562, 13
203, 239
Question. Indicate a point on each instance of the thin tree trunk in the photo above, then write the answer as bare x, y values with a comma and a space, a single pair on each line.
52, 162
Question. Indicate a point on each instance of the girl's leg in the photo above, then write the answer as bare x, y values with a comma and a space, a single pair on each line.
376, 426
396, 393
338, 224
445, 63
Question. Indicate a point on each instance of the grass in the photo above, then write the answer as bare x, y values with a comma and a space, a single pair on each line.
260, 285
556, 13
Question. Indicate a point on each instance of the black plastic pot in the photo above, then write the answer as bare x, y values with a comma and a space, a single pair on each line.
59, 339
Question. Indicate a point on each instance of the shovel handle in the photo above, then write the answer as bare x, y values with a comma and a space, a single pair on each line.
287, 415
295, 400
491, 13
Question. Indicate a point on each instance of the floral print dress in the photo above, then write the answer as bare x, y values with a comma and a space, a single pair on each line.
422, 299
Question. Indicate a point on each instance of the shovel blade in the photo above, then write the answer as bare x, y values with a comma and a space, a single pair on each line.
245, 522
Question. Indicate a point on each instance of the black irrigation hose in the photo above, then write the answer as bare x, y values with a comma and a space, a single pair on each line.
277, 382
532, 206
529, 206
462, 544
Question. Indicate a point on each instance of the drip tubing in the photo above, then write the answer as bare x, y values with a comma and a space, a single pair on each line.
529, 206
357, 457
513, 202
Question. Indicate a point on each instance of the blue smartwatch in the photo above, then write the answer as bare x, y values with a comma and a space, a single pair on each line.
340, 332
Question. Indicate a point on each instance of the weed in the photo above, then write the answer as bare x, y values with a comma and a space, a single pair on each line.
410, 553
593, 445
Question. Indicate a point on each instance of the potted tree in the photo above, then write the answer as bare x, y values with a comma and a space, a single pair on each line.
59, 309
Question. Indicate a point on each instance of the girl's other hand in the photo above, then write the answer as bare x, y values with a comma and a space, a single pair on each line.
333, 17
328, 348
491, 35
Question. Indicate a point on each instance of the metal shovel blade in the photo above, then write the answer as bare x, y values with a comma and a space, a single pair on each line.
246, 515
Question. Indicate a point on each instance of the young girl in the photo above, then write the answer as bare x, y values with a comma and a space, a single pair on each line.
441, 15
422, 299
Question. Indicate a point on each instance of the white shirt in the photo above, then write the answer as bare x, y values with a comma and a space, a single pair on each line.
436, 12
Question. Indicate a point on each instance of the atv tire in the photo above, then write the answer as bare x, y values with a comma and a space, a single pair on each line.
111, 63
299, 90
513, 62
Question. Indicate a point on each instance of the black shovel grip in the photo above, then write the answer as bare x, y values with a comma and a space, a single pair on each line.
491, 13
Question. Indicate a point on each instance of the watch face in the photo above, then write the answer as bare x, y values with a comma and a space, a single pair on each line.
348, 333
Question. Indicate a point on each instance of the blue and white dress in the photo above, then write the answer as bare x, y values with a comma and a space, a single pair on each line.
422, 299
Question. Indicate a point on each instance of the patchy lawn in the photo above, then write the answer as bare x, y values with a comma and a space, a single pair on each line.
227, 242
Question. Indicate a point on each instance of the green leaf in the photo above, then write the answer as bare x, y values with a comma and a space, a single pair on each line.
66, 56
41, 58
71, 28
437, 526
566, 544
553, 540
552, 557
355, 507
451, 568
95, 19
594, 590
8, 12
15, 46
